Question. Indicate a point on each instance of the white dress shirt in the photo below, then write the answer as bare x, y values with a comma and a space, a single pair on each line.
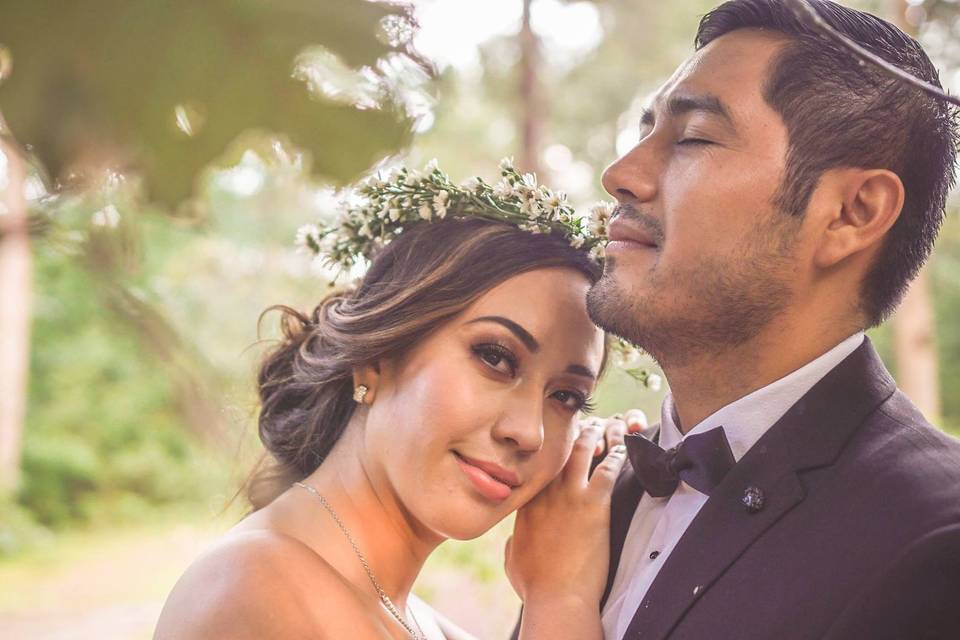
658, 523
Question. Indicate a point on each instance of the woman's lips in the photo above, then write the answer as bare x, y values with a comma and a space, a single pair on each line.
489, 486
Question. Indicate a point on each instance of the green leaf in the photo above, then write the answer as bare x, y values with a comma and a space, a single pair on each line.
98, 83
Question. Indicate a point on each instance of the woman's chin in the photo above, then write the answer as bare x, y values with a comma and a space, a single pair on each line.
466, 520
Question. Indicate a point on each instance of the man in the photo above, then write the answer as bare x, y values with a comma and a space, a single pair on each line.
780, 200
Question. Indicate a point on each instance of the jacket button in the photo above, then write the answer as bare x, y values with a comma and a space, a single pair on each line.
752, 499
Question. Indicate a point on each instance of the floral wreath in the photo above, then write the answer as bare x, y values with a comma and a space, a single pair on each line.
389, 204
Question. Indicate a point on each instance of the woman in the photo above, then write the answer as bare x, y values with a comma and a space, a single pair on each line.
429, 403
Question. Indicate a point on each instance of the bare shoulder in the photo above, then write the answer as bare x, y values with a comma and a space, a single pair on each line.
260, 584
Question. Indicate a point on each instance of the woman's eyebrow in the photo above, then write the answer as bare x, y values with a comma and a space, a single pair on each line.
580, 370
522, 334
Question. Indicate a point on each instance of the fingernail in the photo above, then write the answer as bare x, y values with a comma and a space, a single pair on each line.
618, 448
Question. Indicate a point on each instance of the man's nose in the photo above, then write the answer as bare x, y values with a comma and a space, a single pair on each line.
632, 178
520, 425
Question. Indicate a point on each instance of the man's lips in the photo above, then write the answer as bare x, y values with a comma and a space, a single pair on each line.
489, 478
620, 230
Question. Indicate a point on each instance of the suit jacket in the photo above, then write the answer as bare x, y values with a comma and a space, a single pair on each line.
852, 476
915, 597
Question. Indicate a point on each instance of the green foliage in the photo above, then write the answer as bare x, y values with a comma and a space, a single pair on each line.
119, 81
103, 436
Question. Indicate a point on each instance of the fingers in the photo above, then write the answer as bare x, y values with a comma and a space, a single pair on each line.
636, 420
633, 421
615, 430
606, 473
578, 465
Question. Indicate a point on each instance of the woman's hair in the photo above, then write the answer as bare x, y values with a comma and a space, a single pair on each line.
427, 275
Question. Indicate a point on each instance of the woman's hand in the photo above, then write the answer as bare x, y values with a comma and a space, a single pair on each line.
614, 427
558, 556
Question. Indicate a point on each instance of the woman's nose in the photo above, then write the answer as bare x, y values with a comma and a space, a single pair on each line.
520, 425
632, 178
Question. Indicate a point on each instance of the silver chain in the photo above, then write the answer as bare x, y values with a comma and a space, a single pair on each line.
384, 598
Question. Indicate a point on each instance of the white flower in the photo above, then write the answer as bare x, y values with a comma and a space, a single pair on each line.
394, 214
554, 202
598, 252
530, 181
629, 357
306, 235
407, 203
577, 241
413, 179
504, 189
599, 218
431, 166
440, 203
530, 207
106, 217
654, 382
366, 231
373, 182
472, 185
506, 164
426, 212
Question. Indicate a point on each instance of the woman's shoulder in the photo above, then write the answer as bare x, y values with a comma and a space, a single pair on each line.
256, 584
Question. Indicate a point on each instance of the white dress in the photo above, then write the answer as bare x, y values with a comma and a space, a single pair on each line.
429, 621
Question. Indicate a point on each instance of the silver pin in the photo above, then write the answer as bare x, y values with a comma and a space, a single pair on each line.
753, 499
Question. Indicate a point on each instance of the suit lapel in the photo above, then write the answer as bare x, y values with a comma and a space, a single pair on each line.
809, 435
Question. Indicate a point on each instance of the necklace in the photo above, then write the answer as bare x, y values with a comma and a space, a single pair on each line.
384, 598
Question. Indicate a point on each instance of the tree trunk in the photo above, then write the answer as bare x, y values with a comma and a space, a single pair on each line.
914, 335
531, 100
15, 290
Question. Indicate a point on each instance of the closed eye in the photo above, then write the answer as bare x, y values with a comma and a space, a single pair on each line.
695, 141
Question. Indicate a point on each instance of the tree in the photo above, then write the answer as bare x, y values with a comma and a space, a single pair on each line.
120, 87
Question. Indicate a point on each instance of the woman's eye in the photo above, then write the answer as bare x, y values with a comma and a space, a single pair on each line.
497, 357
574, 401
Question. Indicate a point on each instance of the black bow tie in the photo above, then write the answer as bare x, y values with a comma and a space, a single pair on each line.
700, 460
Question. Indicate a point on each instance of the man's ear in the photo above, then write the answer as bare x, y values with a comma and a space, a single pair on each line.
369, 377
864, 204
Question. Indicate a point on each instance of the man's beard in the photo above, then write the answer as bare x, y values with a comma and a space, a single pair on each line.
707, 307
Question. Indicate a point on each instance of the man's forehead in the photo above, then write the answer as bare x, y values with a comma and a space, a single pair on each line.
733, 68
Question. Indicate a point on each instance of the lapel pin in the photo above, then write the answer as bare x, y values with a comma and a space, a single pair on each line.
752, 499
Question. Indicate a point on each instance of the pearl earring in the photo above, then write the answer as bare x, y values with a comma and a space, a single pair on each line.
360, 393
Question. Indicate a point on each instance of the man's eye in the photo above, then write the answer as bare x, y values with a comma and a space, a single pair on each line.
694, 141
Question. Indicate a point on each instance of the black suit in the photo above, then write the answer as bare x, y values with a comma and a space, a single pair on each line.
852, 478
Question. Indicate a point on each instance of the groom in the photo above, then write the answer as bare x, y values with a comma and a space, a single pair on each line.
780, 200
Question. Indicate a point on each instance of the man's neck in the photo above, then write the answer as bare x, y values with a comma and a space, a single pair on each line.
705, 383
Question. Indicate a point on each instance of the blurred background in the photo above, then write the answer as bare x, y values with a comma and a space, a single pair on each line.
156, 160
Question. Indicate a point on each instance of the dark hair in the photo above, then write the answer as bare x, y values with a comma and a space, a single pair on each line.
427, 275
841, 113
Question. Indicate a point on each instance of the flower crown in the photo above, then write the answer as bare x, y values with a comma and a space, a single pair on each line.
388, 205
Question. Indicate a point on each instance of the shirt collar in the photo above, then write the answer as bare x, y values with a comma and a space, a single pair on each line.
747, 419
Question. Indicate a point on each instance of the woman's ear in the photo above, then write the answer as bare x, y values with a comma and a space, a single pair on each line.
864, 205
366, 377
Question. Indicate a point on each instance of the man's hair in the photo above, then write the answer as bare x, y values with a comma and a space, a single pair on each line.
841, 113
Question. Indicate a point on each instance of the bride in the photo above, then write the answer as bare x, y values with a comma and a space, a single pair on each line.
428, 402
